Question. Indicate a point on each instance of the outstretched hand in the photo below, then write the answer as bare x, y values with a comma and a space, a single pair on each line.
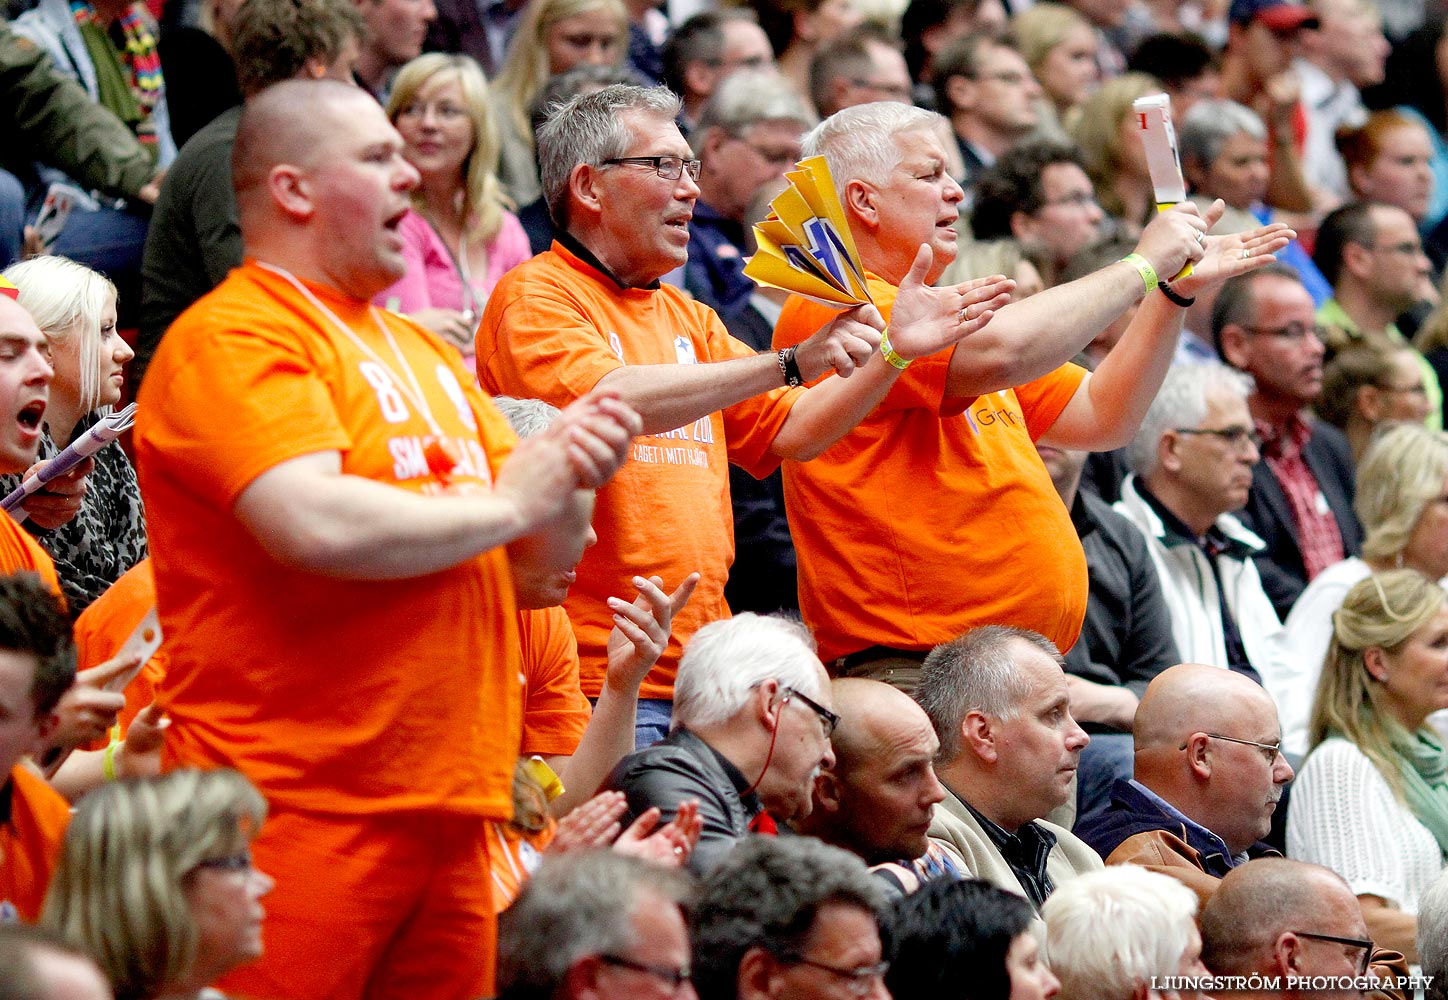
927, 319
641, 629
1233, 254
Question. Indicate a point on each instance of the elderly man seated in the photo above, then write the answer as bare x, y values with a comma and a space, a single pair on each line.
877, 799
1209, 773
752, 722
788, 918
999, 702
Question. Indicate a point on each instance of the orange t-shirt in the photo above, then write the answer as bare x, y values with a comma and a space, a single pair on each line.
553, 327
935, 514
555, 712
107, 623
30, 841
335, 696
19, 553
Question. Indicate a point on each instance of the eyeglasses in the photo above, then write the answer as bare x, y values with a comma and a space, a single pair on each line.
773, 157
899, 91
667, 167
859, 980
230, 863
1416, 389
1292, 331
1365, 945
1238, 436
1081, 199
748, 62
828, 718
1408, 248
1270, 751
672, 976
1009, 79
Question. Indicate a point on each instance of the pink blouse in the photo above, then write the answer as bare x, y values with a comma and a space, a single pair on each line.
432, 282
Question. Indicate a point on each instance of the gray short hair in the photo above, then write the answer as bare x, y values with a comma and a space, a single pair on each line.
1208, 126
976, 672
1433, 935
527, 416
1400, 474
766, 894
727, 659
747, 98
858, 142
575, 905
1180, 402
589, 129
1110, 931
1254, 904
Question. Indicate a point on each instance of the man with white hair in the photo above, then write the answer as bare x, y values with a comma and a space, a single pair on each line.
752, 724
1191, 463
1114, 934
998, 700
883, 576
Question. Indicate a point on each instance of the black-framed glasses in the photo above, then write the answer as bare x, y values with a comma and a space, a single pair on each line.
1269, 750
670, 975
1081, 199
667, 167
1408, 248
1238, 436
1292, 331
899, 91
858, 980
828, 718
229, 863
1363, 943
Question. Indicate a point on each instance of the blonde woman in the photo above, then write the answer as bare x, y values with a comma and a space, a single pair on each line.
76, 309
1105, 129
553, 36
1059, 45
459, 238
155, 882
1366, 386
1402, 502
1371, 800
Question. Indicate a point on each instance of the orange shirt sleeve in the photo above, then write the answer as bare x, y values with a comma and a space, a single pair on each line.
1043, 400
29, 844
555, 712
19, 553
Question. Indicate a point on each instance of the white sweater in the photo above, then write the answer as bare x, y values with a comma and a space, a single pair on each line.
1345, 817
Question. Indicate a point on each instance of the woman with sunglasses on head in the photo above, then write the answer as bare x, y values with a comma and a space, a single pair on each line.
460, 237
1371, 800
155, 882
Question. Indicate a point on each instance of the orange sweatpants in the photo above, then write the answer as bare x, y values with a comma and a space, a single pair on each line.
373, 908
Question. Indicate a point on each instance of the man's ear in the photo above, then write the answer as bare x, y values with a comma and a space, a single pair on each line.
1357, 260
1023, 227
766, 704
977, 731
757, 974
700, 78
581, 979
1168, 457
1234, 346
291, 189
960, 92
828, 792
1198, 759
583, 190
1287, 954
862, 201
1369, 402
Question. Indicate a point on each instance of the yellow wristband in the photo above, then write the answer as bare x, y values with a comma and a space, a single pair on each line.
1144, 268
888, 353
108, 762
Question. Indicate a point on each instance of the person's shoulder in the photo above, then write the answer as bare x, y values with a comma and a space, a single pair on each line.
33, 793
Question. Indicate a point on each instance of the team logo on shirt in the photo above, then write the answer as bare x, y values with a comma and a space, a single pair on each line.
684, 350
616, 344
8, 913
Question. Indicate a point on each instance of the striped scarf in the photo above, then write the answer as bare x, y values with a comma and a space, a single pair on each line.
140, 65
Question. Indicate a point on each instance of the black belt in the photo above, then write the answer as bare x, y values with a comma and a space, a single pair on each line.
878, 653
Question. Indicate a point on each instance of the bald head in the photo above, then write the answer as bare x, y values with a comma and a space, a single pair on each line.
876, 800
290, 123
1257, 904
1193, 697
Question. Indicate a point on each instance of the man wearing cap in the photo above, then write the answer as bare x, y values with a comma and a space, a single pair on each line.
1257, 72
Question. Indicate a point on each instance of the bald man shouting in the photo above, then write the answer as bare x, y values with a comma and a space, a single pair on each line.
330, 499
1209, 773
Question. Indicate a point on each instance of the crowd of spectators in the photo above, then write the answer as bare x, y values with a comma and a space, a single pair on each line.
502, 594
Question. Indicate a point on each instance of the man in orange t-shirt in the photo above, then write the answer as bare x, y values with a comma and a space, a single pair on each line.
37, 665
329, 503
590, 313
935, 514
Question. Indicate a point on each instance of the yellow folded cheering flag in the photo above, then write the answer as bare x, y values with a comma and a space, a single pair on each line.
6, 288
805, 246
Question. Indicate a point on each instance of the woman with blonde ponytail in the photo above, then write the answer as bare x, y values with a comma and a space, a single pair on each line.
1371, 800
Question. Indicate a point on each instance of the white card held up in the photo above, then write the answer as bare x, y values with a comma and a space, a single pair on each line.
143, 642
1153, 124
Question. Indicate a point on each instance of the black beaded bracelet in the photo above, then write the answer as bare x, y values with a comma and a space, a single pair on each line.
789, 368
1173, 296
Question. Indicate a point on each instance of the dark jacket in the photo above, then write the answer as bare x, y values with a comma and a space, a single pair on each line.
684, 767
714, 273
49, 118
1126, 638
1269, 515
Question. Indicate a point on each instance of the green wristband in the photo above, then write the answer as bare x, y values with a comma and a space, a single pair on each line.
888, 353
1144, 268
